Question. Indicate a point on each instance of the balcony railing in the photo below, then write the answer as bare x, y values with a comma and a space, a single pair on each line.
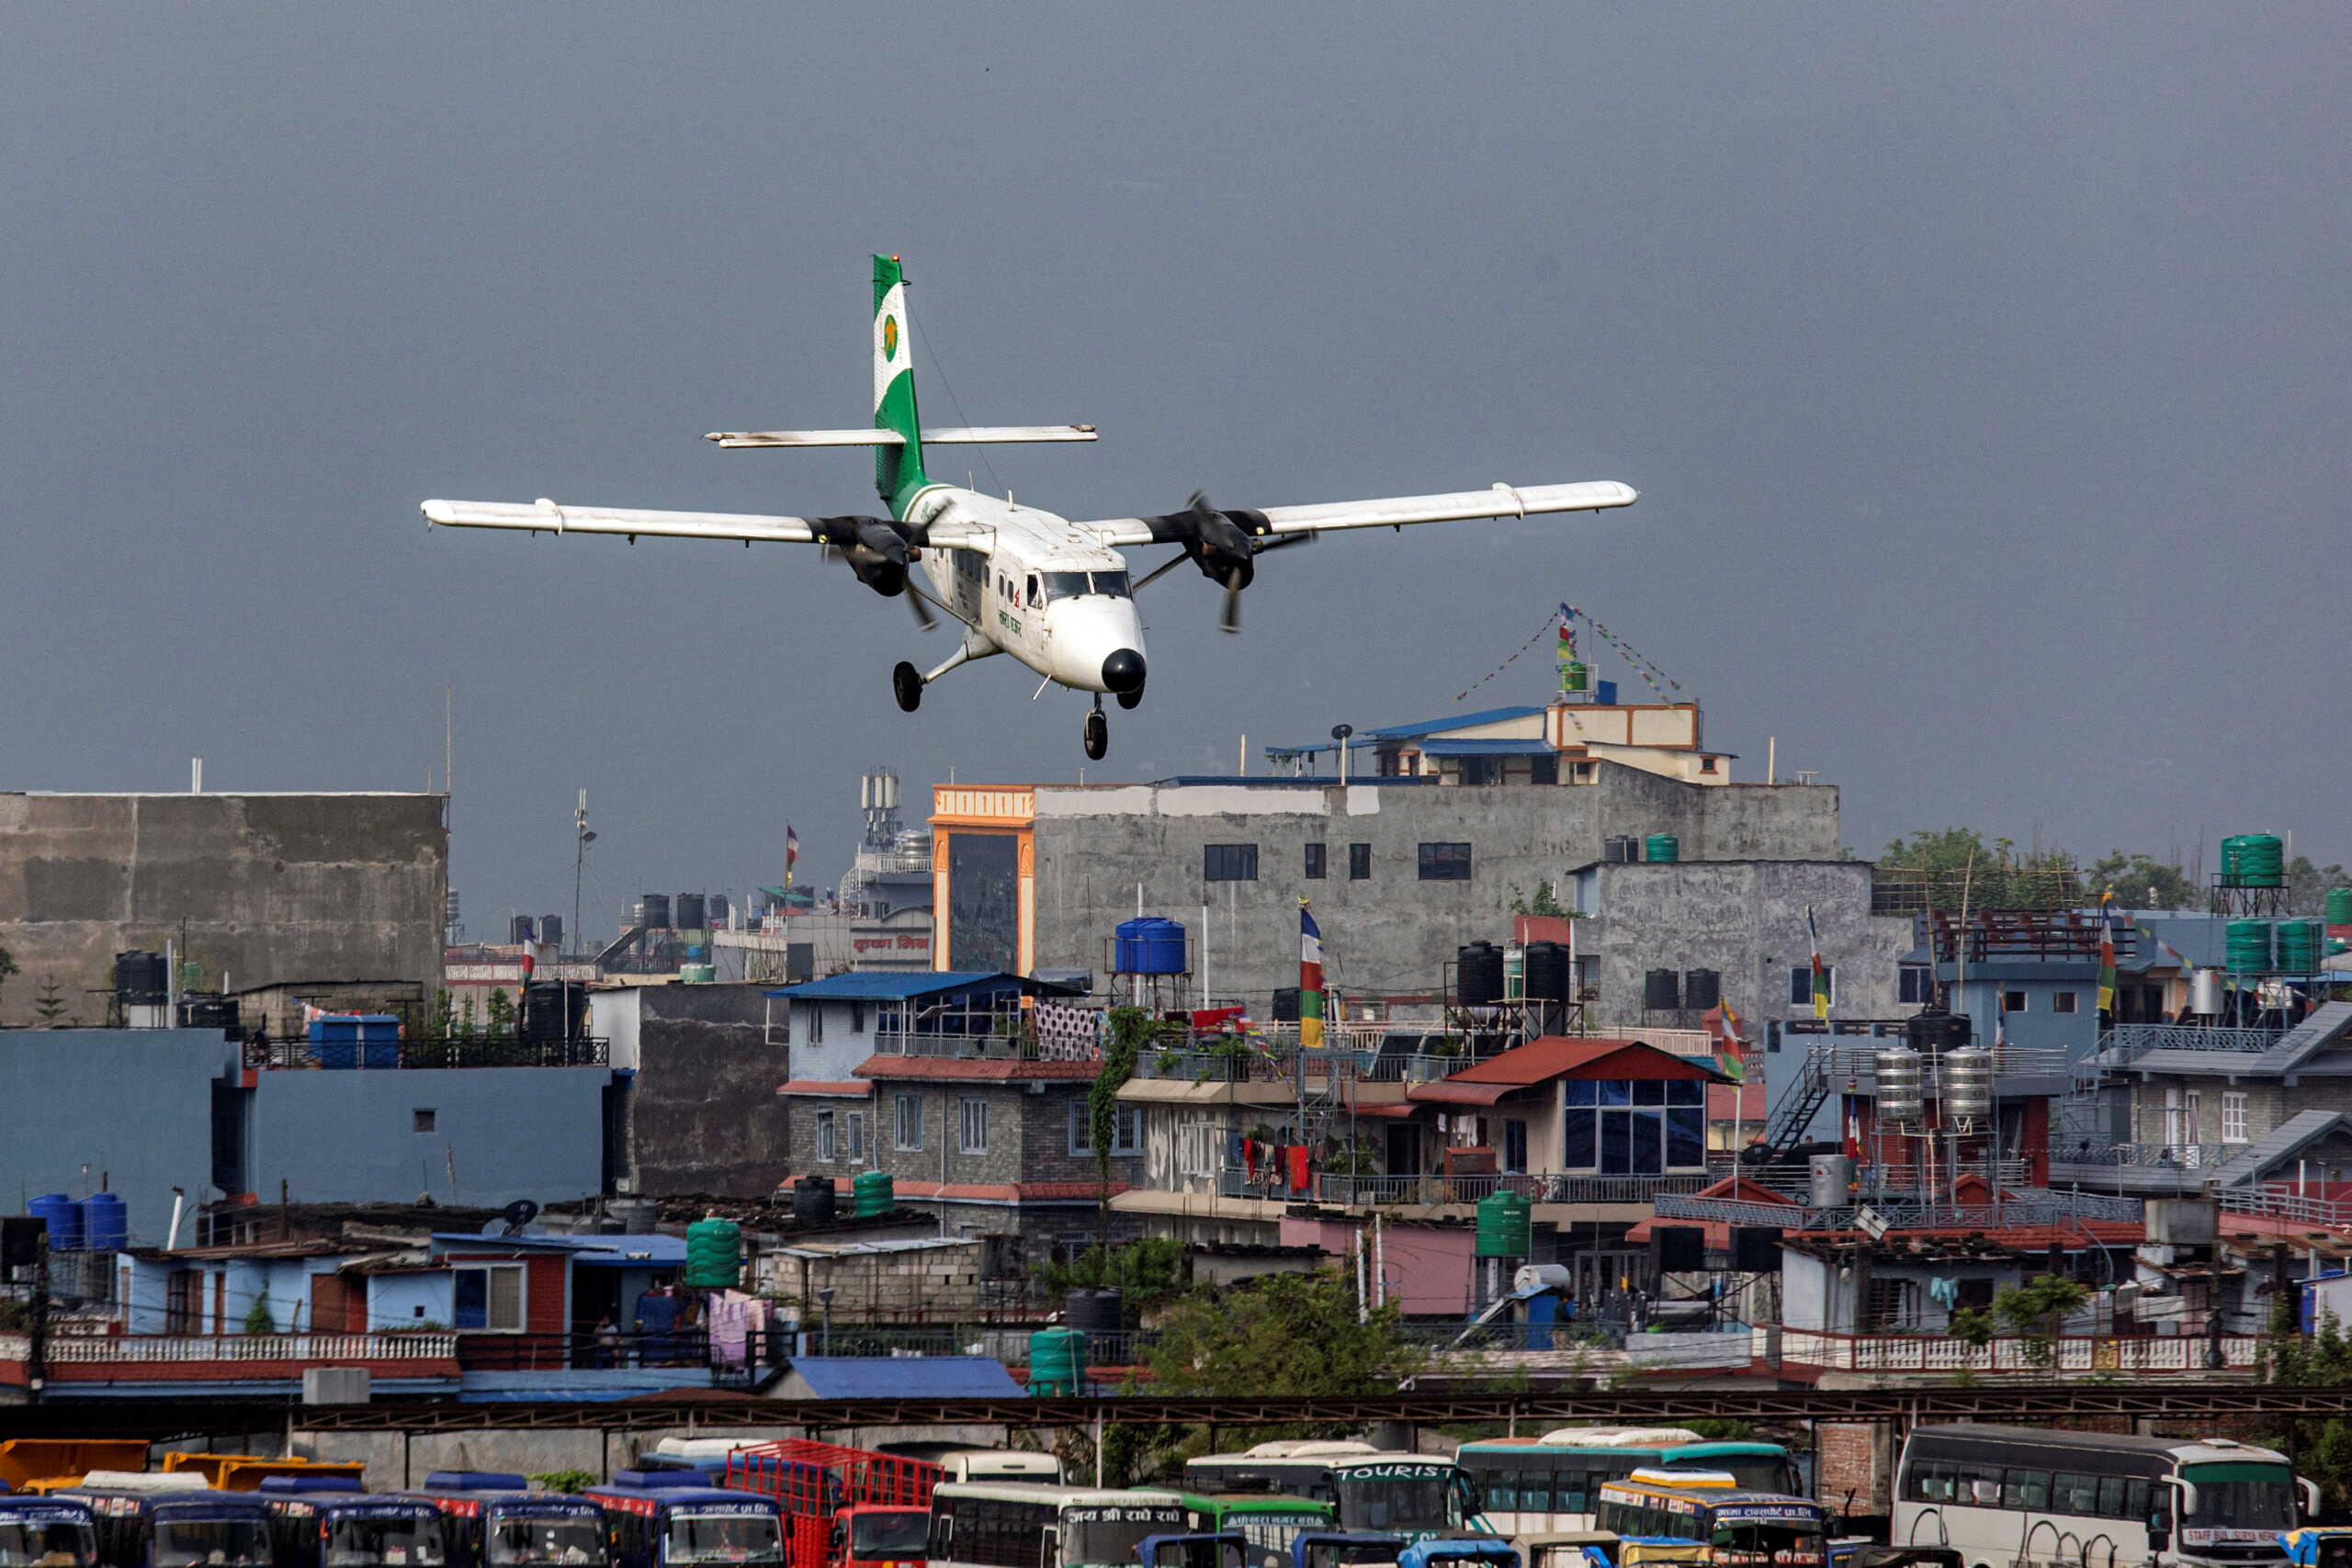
2127, 1042
591, 1349
1901, 1213
1537, 1187
136, 1348
583, 1051
2066, 1355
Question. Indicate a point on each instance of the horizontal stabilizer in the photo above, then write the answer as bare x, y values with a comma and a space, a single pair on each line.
959, 435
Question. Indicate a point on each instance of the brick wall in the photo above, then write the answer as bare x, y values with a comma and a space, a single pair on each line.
1857, 1460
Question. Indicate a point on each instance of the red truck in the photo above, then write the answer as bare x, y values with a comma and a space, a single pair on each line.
843, 1507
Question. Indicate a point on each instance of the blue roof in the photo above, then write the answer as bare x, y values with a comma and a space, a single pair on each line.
906, 1377
891, 985
1533, 746
1453, 721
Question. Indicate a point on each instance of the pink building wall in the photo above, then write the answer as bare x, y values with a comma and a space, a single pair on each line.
1428, 1267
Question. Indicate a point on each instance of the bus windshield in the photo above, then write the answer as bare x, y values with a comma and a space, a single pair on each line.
724, 1537
1341, 1553
47, 1546
897, 1532
2241, 1497
383, 1543
1404, 1497
1112, 1535
211, 1543
514, 1541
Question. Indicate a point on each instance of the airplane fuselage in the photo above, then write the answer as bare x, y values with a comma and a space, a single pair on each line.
1045, 592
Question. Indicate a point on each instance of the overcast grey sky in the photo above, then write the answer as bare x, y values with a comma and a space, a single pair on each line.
1983, 370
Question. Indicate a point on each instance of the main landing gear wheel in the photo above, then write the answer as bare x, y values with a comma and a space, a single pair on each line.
1098, 735
906, 684
1131, 699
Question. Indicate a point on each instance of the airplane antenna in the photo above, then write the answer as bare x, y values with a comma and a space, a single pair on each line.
948, 386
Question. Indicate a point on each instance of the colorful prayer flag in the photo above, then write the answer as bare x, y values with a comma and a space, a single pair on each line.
791, 852
1310, 980
2106, 951
1820, 974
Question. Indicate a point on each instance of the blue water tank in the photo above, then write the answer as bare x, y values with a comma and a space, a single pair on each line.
64, 1217
106, 1222
1150, 945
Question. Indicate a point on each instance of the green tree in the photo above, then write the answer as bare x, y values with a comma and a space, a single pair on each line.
2141, 881
1972, 1327
2323, 1359
565, 1479
257, 1318
501, 1010
50, 1009
2035, 1310
1546, 901
2307, 885
1960, 866
1129, 1030
1145, 1272
466, 1026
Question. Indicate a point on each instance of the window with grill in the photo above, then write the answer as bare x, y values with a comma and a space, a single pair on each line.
1359, 862
1313, 869
2232, 1118
2064, 1001
827, 1137
906, 1129
1800, 984
1914, 988
856, 1134
1229, 862
2013, 1001
1445, 863
1126, 1134
487, 1298
974, 1116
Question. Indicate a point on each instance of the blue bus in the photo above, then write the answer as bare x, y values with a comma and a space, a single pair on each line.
493, 1520
47, 1532
176, 1528
1528, 1486
316, 1526
653, 1521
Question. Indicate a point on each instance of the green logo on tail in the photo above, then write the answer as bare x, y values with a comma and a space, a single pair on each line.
890, 337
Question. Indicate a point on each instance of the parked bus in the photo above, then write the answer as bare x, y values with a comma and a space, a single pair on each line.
651, 1522
1698, 1516
1536, 1485
47, 1532
493, 1520
316, 1525
175, 1527
1014, 1524
1415, 1495
1998, 1493
1267, 1521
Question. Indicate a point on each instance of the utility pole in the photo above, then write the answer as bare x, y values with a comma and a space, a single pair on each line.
37, 1369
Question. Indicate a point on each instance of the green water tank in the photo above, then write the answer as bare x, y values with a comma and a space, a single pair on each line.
2246, 945
714, 1254
2299, 946
697, 973
2254, 859
2339, 906
1574, 676
872, 1193
1056, 1360
1662, 849
1505, 1222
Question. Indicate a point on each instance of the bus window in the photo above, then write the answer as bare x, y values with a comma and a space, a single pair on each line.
2025, 1489
721, 1537
517, 1541
210, 1543
2075, 1494
25, 1545
366, 1543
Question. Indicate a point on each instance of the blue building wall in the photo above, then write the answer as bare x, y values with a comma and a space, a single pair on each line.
351, 1137
135, 1104
403, 1301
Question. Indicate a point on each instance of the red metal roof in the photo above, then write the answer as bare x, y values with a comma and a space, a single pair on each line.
827, 1087
1559, 1056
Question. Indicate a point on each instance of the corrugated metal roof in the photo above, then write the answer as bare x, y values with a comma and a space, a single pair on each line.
1451, 721
906, 1377
1531, 746
1556, 1055
888, 986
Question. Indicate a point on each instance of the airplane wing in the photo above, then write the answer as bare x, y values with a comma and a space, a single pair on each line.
1385, 512
546, 517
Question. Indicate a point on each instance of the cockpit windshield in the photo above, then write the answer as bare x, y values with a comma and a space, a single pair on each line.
1075, 584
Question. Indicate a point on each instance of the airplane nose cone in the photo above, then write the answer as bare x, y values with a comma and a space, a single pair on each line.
1123, 672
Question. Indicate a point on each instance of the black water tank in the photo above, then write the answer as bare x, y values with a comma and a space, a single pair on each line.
1680, 1249
1936, 1029
1620, 849
142, 979
1702, 988
521, 930
1095, 1309
693, 912
553, 1011
813, 1201
1547, 972
210, 1013
653, 911
719, 908
1661, 990
551, 930
1755, 1250
1286, 1005
1479, 975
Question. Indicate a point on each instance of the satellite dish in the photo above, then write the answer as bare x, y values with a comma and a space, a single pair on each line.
518, 1214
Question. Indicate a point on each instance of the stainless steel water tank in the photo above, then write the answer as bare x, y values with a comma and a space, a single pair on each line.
1895, 1074
1968, 1084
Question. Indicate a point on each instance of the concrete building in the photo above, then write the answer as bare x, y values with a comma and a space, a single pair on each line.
1402, 871
254, 889
700, 1114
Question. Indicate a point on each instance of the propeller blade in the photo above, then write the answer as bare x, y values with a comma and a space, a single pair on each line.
1231, 619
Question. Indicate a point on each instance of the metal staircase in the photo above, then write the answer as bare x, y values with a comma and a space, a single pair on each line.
1784, 1129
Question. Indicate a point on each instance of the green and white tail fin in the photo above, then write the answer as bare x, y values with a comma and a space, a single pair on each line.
898, 469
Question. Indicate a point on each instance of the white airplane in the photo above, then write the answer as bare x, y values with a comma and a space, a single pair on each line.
1054, 593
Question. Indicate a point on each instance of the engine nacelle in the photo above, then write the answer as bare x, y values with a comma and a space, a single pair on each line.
875, 548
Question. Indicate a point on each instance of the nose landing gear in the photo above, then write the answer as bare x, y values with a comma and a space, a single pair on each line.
1098, 732
906, 684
